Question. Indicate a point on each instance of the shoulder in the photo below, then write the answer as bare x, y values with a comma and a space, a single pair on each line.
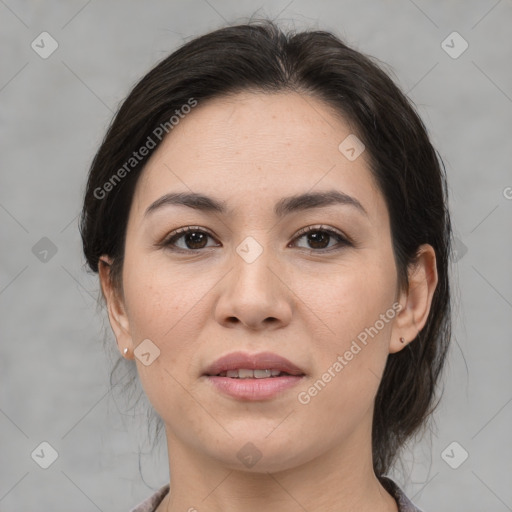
404, 503
150, 504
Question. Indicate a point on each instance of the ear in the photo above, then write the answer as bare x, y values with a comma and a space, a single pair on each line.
115, 306
415, 301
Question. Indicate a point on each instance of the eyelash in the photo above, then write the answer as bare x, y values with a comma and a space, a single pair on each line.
179, 233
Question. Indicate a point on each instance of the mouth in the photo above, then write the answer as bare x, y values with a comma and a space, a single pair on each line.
241, 365
246, 373
253, 377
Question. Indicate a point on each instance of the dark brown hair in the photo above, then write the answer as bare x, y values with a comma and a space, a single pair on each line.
260, 56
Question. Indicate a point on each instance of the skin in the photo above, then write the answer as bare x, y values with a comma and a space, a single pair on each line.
251, 150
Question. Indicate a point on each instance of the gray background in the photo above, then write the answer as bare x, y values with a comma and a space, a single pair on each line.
53, 114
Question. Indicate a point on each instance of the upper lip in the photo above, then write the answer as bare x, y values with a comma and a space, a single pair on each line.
261, 361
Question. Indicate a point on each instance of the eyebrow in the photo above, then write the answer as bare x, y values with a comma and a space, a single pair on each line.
285, 206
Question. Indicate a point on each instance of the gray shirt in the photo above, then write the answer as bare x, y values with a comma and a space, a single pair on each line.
404, 504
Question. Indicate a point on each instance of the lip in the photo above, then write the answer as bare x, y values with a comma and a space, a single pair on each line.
253, 389
260, 361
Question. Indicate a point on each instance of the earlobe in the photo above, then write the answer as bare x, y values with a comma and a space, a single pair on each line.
116, 310
415, 301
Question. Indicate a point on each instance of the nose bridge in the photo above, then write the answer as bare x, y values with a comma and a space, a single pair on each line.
252, 275
254, 293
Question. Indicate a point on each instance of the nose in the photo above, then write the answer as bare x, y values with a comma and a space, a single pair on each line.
254, 295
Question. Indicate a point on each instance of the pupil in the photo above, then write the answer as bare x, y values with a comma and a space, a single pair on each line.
193, 238
316, 236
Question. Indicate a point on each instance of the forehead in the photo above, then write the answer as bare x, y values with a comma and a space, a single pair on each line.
253, 146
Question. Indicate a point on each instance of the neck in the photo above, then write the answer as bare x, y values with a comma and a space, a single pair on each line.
338, 480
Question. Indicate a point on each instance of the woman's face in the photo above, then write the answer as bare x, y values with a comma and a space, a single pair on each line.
247, 280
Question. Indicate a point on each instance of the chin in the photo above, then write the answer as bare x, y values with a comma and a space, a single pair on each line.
261, 453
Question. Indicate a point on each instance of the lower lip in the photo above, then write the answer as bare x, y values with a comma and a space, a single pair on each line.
254, 389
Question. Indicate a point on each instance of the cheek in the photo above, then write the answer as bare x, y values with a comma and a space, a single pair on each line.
354, 308
162, 299
349, 370
167, 307
345, 299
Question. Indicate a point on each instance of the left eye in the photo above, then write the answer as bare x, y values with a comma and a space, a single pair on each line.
194, 238
318, 237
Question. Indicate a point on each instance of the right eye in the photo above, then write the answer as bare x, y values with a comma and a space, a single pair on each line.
193, 238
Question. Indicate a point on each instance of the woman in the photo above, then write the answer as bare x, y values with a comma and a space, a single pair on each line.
269, 223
